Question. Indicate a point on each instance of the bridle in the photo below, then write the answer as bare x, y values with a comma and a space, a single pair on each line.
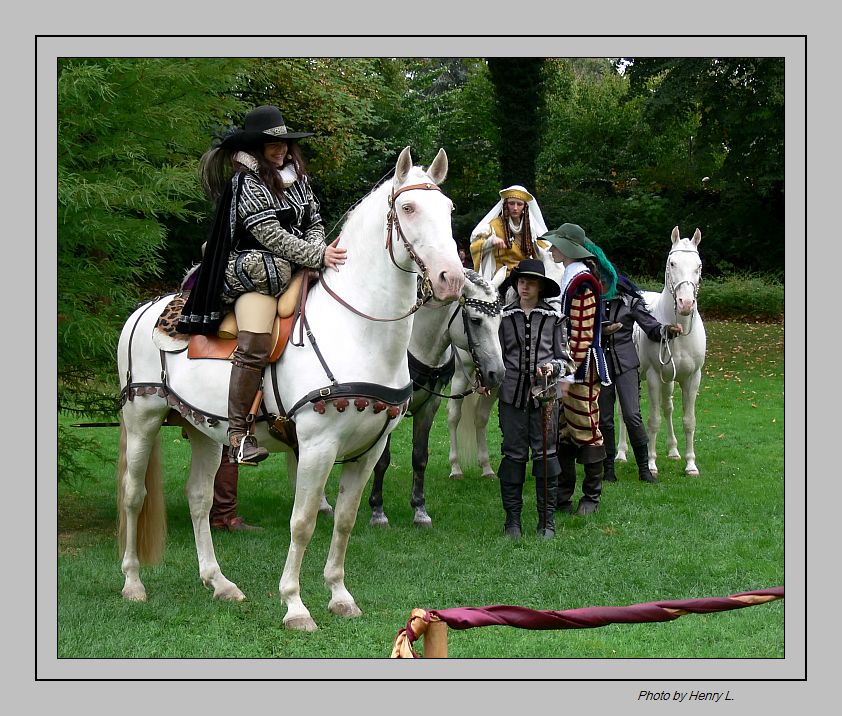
673, 287
489, 308
392, 224
664, 351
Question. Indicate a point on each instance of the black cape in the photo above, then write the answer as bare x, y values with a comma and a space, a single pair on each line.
202, 313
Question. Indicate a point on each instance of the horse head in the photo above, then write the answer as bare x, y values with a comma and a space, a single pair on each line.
684, 271
422, 217
481, 315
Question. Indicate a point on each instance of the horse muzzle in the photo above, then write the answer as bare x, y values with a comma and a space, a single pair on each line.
447, 280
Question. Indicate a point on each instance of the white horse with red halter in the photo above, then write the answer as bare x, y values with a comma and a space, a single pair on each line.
679, 360
346, 387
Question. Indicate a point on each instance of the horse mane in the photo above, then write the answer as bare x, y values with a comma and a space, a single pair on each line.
362, 219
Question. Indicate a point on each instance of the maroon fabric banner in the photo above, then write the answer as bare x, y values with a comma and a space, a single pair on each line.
523, 618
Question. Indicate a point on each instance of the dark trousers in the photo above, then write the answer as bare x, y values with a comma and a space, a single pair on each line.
522, 431
626, 388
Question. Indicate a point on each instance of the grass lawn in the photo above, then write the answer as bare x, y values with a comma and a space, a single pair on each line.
684, 538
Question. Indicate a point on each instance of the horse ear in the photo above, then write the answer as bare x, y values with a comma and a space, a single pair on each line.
403, 165
438, 169
676, 235
499, 277
697, 236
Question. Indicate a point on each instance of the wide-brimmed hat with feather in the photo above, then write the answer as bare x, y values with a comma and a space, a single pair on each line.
261, 125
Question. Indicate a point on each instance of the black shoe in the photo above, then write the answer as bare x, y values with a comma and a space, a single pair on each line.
587, 507
513, 530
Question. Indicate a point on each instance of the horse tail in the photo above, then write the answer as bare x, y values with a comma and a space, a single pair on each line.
466, 435
152, 520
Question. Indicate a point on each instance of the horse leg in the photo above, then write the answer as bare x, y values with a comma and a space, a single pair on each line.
689, 391
311, 473
351, 484
454, 415
668, 409
622, 442
199, 488
139, 464
375, 499
483, 412
654, 388
421, 424
292, 469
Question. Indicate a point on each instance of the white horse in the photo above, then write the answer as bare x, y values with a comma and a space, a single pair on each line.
678, 360
467, 420
472, 326
345, 388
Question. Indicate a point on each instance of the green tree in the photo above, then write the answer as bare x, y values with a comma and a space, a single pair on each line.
129, 134
738, 146
517, 84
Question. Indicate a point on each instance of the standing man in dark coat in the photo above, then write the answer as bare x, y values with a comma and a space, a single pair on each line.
621, 312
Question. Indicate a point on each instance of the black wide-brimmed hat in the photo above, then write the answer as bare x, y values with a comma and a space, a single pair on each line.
262, 124
531, 268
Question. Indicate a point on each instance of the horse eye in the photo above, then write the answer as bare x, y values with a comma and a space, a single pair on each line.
408, 208
476, 321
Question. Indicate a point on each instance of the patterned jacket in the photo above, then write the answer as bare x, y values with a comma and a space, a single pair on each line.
581, 302
528, 342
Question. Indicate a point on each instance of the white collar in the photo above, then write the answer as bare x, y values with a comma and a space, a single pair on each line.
571, 270
287, 172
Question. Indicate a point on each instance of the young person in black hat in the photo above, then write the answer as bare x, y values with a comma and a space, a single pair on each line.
535, 351
267, 224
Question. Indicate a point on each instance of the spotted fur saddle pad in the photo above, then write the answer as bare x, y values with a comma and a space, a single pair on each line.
168, 339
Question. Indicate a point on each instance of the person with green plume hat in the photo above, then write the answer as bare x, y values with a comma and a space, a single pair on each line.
586, 271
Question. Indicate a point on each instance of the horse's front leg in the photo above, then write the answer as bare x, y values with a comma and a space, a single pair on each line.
375, 498
653, 425
311, 472
622, 442
483, 413
668, 410
206, 453
351, 484
422, 421
454, 415
689, 391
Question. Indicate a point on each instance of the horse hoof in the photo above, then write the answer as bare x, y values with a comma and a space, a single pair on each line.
489, 475
423, 521
134, 594
691, 473
456, 476
326, 511
674, 457
378, 520
344, 609
231, 593
300, 624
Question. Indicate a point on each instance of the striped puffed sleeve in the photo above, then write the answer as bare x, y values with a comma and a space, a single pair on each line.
257, 212
583, 317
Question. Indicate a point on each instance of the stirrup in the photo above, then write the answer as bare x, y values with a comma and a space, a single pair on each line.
258, 455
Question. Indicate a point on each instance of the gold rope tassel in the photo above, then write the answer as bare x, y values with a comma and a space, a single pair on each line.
431, 628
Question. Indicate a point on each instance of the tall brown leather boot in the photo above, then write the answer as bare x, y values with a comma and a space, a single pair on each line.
250, 358
223, 514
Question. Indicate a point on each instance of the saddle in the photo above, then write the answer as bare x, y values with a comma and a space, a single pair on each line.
290, 306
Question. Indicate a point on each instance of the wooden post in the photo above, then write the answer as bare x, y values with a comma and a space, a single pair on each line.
435, 641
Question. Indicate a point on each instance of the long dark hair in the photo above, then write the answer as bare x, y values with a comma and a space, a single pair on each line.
525, 230
217, 165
